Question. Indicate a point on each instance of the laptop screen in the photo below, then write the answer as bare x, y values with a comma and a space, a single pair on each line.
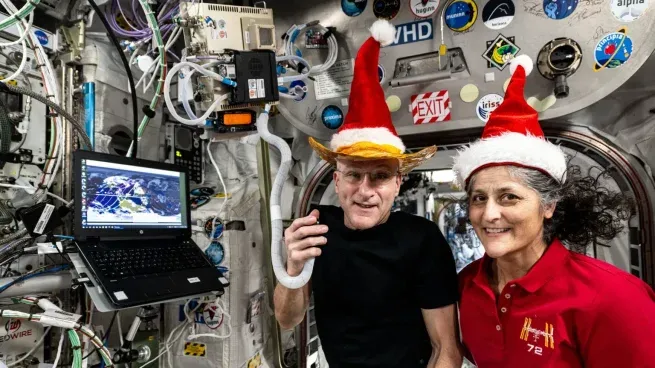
118, 196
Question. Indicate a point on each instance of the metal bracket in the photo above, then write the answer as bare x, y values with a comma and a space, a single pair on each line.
74, 40
429, 67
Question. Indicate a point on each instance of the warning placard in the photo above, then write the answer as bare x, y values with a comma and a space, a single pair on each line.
431, 107
195, 349
335, 82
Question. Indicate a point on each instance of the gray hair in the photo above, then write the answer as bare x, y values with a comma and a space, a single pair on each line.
548, 189
585, 212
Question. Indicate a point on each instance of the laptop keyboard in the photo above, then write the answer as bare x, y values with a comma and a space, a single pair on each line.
148, 261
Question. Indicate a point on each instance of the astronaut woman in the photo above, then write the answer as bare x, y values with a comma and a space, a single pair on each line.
535, 299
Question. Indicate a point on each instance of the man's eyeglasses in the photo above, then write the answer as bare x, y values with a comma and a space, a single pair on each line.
376, 177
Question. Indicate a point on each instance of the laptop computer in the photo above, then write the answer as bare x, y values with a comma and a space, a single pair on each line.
133, 230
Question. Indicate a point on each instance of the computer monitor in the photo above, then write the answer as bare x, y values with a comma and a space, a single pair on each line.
118, 196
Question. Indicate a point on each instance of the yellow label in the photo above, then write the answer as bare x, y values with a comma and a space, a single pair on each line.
11, 82
195, 349
255, 362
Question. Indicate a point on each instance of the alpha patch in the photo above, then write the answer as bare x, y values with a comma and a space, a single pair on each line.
500, 51
628, 10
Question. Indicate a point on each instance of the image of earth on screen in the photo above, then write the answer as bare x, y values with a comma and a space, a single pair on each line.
116, 197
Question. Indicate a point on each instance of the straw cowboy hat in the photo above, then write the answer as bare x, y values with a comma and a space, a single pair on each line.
368, 133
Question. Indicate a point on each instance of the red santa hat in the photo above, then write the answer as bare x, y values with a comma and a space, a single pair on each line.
368, 132
512, 136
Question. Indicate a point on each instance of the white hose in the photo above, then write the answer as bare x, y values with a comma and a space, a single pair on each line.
181, 91
277, 253
23, 59
24, 35
210, 110
292, 78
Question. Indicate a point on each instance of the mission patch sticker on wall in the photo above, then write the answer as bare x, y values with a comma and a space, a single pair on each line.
423, 8
332, 117
628, 10
613, 50
211, 316
386, 9
487, 104
500, 51
431, 107
461, 15
497, 14
559, 9
353, 8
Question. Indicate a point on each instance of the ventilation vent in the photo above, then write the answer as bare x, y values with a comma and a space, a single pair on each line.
237, 9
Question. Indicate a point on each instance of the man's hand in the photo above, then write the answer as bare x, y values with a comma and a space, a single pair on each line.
302, 239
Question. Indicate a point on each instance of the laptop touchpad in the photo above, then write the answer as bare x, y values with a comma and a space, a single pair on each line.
159, 283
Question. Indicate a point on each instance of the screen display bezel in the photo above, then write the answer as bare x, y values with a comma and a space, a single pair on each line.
129, 232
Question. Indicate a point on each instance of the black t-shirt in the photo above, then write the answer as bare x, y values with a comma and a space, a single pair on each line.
370, 286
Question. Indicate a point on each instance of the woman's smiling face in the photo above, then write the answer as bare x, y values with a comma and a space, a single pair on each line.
507, 215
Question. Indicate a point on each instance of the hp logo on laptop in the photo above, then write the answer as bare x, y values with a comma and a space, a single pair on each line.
141, 232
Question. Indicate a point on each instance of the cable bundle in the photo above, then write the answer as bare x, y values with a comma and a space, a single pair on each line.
292, 35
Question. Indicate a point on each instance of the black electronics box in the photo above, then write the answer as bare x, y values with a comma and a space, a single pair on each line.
187, 151
256, 77
39, 219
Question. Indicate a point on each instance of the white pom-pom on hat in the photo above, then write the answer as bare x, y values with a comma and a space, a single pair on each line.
384, 32
523, 60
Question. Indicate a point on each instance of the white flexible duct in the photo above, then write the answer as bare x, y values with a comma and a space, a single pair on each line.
277, 254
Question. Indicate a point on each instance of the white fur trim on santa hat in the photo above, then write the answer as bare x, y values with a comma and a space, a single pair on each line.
349, 137
517, 148
384, 32
523, 60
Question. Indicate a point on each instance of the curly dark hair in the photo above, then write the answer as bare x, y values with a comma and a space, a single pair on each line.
585, 212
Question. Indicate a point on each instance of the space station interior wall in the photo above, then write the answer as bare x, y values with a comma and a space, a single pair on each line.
244, 257
626, 116
113, 110
305, 159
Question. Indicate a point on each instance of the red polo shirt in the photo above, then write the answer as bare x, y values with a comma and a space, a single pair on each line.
570, 310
